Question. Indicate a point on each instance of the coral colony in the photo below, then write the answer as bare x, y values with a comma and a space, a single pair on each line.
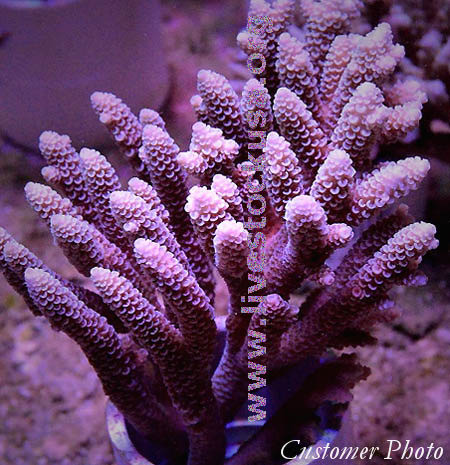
285, 176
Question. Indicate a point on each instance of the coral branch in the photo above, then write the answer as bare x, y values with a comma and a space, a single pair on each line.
274, 317
86, 249
256, 108
307, 232
226, 189
324, 21
207, 210
16, 281
359, 124
231, 247
333, 184
209, 153
187, 299
123, 126
337, 59
17, 258
296, 71
396, 259
115, 367
385, 185
282, 173
47, 202
159, 153
147, 192
101, 179
298, 127
148, 116
139, 220
372, 239
189, 389
52, 177
402, 253
374, 58
59, 153
221, 103
266, 23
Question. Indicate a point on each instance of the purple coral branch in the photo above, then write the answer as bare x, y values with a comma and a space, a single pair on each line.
328, 101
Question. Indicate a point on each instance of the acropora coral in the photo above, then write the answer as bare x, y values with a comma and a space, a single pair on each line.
424, 29
283, 177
